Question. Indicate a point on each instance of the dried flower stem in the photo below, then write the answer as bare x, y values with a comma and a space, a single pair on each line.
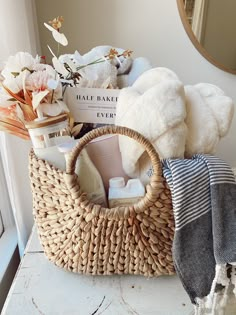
58, 50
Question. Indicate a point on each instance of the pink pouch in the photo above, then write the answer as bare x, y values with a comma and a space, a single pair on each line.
105, 154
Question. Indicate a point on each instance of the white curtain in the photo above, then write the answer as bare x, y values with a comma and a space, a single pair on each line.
199, 13
19, 32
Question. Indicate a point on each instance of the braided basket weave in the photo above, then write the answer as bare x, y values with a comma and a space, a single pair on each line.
86, 238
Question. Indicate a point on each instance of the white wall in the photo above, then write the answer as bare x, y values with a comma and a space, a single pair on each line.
14, 38
151, 28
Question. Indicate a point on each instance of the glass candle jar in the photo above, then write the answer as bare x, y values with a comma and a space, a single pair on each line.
47, 132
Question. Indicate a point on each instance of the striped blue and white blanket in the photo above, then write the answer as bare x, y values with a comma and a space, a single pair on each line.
203, 193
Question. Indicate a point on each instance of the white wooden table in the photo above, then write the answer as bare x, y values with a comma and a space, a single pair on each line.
42, 288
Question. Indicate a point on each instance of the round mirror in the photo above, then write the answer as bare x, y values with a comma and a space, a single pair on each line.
211, 26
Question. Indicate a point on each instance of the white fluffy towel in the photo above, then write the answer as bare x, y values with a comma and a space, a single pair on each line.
155, 107
209, 116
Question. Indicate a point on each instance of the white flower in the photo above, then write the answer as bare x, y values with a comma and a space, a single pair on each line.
15, 84
59, 67
69, 60
16, 69
59, 37
17, 63
45, 85
64, 58
37, 81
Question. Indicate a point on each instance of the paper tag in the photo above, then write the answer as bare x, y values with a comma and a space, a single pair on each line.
90, 105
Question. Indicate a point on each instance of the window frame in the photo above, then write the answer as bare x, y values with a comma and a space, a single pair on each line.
8, 239
5, 205
1, 225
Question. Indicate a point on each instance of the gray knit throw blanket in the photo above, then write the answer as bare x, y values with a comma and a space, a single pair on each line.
204, 249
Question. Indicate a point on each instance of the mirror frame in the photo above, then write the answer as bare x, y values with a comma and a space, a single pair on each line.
196, 43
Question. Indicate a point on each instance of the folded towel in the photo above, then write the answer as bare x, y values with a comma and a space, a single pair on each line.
203, 192
155, 107
101, 75
123, 64
139, 66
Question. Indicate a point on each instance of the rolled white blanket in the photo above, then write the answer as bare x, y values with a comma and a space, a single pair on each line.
209, 115
155, 107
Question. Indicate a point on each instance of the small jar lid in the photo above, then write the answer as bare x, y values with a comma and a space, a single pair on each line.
117, 182
45, 121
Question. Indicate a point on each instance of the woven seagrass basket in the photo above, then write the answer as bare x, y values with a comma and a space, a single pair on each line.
86, 238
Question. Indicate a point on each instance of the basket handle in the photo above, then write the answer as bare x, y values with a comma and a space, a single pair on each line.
95, 133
